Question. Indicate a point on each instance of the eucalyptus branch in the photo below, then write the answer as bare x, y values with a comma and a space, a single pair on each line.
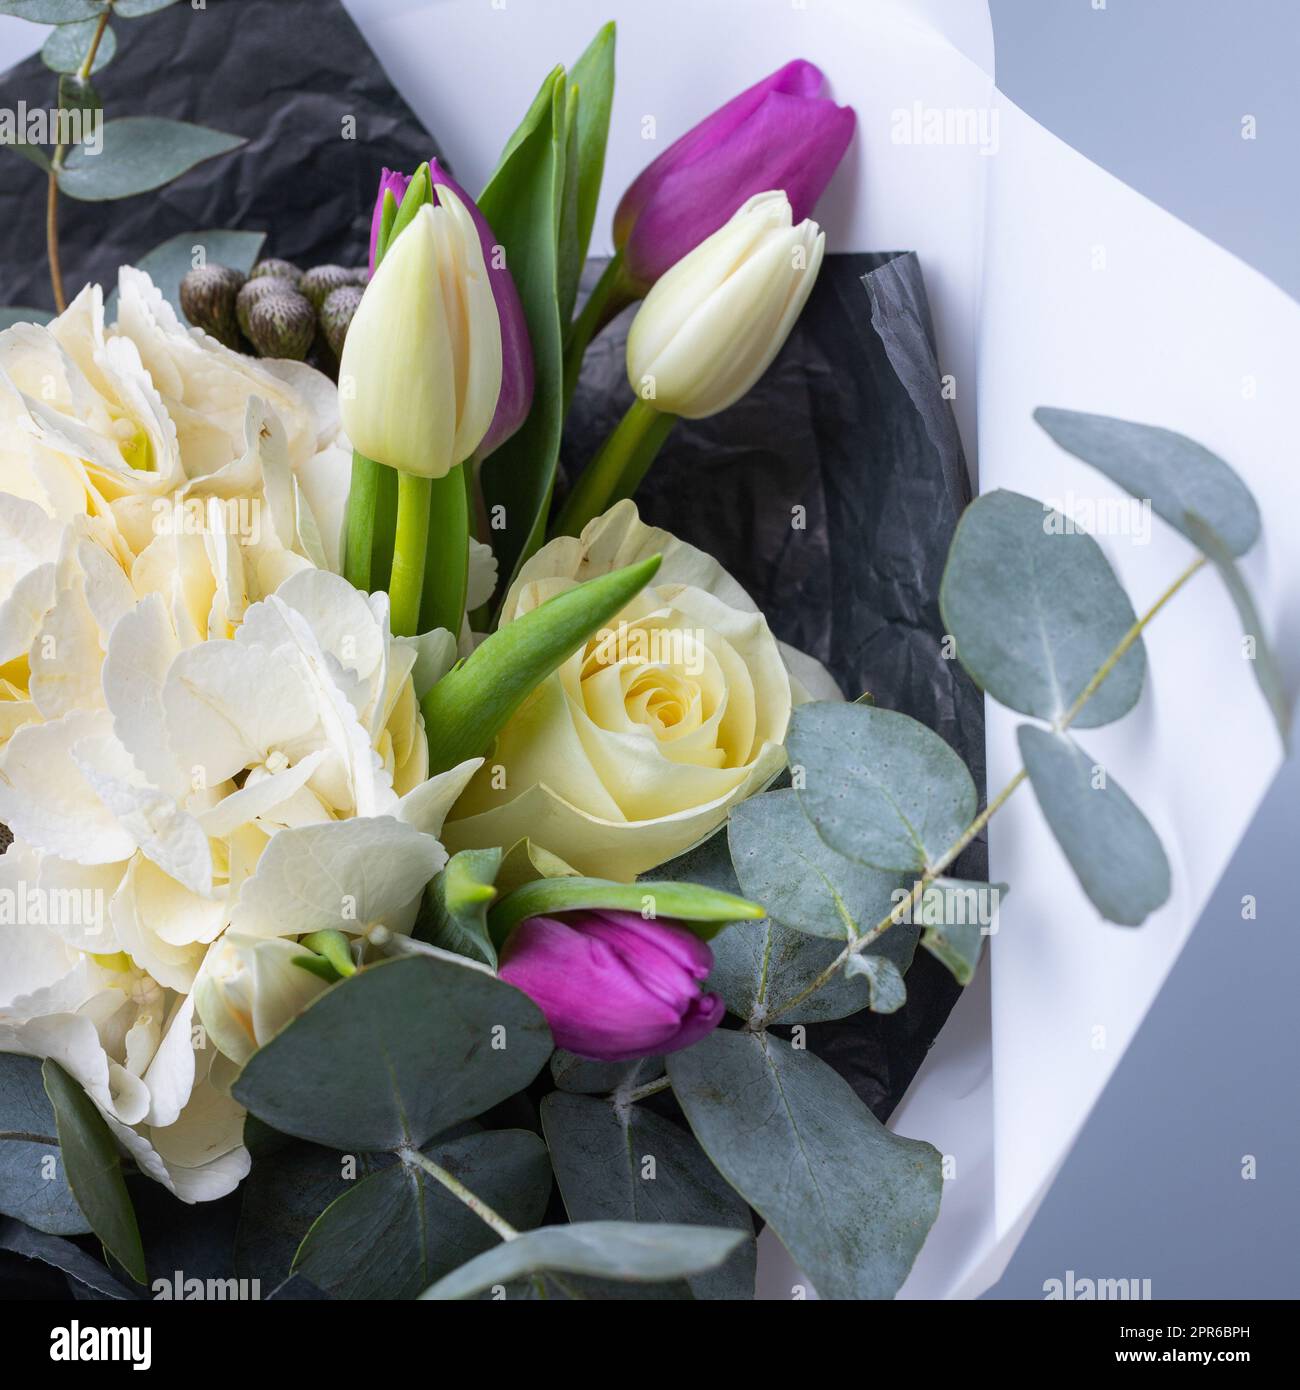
651, 1088
901, 910
462, 1193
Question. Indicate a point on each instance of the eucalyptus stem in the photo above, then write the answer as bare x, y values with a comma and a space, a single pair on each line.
651, 1088
462, 1193
617, 470
410, 548
899, 912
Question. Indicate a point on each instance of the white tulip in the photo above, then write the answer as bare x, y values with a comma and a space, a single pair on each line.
421, 367
712, 324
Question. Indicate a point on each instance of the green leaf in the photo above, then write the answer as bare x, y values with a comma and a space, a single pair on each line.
458, 905
63, 1255
167, 264
28, 1141
582, 1076
133, 9
703, 911
626, 1163
34, 153
1035, 610
884, 980
474, 701
956, 921
1267, 673
1177, 475
524, 861
11, 316
850, 1201
140, 153
78, 94
783, 863
94, 1170
400, 1052
393, 1233
66, 48
568, 269
606, 1249
522, 202
593, 77
1118, 858
879, 787
53, 11
334, 947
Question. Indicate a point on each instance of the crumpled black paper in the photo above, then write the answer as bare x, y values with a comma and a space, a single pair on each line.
850, 424
288, 75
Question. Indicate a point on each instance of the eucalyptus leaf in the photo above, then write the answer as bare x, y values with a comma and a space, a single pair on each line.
1118, 858
134, 9
1175, 474
604, 1249
400, 1052
93, 1169
522, 203
888, 993
33, 153
29, 1146
393, 1233
78, 93
1267, 673
458, 902
701, 910
783, 863
954, 930
625, 1163
849, 1200
67, 46
62, 1255
585, 1076
16, 314
879, 787
54, 11
1035, 610
168, 263
140, 153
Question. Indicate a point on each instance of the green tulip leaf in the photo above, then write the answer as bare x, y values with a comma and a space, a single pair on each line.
583, 1076
473, 702
1111, 847
1175, 474
94, 1170
140, 153
1260, 654
393, 1233
591, 79
67, 46
879, 787
849, 1200
955, 917
628, 1164
783, 863
457, 906
400, 1052
167, 264
1035, 610
524, 861
603, 1249
33, 1185
523, 203
703, 911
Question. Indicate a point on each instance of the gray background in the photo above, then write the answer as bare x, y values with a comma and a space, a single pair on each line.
1154, 91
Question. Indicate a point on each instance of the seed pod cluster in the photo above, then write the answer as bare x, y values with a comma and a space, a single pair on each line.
277, 309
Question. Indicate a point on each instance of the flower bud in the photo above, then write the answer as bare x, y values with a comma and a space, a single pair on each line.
273, 269
336, 316
321, 281
712, 324
282, 325
421, 367
780, 133
208, 294
248, 988
612, 985
251, 292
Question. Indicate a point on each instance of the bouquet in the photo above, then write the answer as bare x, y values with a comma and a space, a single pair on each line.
418, 849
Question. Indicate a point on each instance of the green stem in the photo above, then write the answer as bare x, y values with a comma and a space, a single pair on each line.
617, 470
446, 561
406, 587
363, 496
462, 1193
902, 910
610, 296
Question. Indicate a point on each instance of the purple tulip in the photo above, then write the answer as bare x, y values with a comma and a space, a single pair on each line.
779, 134
612, 985
516, 398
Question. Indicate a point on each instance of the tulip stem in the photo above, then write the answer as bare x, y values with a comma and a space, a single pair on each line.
410, 546
610, 295
363, 496
462, 1193
446, 558
617, 470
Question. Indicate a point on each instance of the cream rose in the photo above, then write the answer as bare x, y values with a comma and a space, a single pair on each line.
636, 747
